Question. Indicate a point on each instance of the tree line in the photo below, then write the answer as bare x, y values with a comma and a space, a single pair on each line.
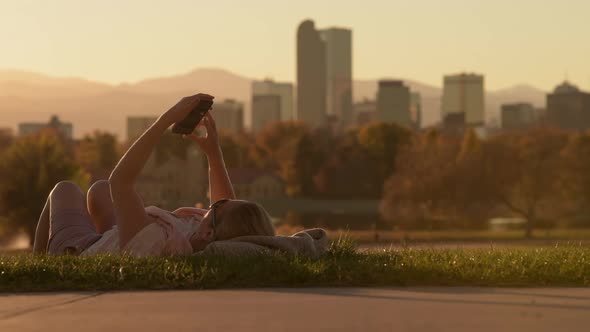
316, 163
426, 179
540, 175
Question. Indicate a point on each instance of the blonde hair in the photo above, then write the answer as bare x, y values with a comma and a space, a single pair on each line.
248, 218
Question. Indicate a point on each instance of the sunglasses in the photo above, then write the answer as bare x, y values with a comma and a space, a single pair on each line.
213, 207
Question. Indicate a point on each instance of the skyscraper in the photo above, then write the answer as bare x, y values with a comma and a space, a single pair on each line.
229, 115
311, 75
283, 90
393, 103
338, 43
463, 97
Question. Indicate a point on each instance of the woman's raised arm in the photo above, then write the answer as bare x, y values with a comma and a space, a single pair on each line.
132, 162
128, 206
219, 182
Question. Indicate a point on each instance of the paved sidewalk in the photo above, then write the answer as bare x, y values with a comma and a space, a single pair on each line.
321, 309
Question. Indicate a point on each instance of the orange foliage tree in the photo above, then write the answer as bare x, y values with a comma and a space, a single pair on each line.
516, 174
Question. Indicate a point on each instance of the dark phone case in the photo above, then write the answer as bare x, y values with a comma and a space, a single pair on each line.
188, 124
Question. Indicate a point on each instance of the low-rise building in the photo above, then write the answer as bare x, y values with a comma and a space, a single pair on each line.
175, 182
518, 116
252, 184
29, 128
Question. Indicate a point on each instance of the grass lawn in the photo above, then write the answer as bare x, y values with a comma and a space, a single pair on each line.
341, 266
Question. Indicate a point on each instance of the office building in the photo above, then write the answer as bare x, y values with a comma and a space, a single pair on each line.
229, 116
393, 103
568, 108
283, 90
266, 109
311, 75
252, 184
463, 97
338, 46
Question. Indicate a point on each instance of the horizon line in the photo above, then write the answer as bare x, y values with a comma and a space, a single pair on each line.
172, 75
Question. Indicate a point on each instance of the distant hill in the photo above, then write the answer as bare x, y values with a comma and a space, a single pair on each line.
27, 84
27, 96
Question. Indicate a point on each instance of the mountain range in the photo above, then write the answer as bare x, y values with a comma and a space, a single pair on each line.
88, 105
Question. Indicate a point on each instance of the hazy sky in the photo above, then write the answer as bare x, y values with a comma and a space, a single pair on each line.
510, 41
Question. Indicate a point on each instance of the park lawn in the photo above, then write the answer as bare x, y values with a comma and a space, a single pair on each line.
342, 266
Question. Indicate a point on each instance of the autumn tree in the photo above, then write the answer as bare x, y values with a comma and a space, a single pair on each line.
6, 140
98, 153
291, 149
171, 145
522, 174
575, 175
470, 145
236, 149
348, 172
422, 187
29, 169
383, 141
276, 142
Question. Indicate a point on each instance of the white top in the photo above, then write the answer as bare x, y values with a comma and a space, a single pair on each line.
169, 235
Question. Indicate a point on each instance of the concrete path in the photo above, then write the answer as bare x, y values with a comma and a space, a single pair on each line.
320, 309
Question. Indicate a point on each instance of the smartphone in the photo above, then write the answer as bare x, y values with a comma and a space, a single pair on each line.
188, 124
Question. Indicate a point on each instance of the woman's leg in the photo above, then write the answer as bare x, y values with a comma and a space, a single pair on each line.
100, 206
70, 226
66, 195
42, 231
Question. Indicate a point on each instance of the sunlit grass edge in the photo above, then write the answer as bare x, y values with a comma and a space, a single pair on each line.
342, 266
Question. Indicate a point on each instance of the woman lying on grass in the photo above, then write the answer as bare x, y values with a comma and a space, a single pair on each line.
113, 219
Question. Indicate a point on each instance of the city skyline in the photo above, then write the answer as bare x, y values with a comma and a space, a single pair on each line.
510, 44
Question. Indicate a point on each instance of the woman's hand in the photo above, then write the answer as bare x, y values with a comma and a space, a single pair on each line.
209, 144
180, 111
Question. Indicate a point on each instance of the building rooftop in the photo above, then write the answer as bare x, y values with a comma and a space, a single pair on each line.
566, 87
391, 83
